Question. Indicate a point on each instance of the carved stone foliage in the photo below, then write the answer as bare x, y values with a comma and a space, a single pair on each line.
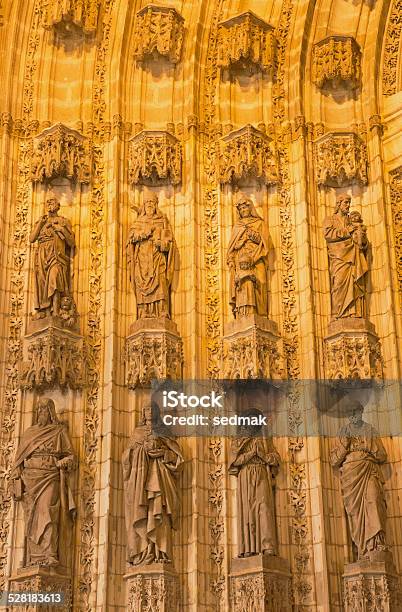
42, 580
54, 357
154, 351
70, 16
159, 31
154, 589
154, 157
246, 39
260, 584
396, 205
337, 62
60, 151
340, 160
251, 349
247, 154
352, 350
393, 42
371, 587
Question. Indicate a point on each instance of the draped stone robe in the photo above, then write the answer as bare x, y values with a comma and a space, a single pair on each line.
255, 461
151, 496
358, 453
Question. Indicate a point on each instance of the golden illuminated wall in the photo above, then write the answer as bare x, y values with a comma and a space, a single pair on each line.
100, 81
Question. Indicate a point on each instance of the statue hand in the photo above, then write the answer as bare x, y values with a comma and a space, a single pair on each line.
65, 464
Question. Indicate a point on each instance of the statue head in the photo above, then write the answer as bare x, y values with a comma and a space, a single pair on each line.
343, 203
53, 206
147, 414
150, 205
249, 430
356, 416
246, 208
45, 412
355, 217
66, 303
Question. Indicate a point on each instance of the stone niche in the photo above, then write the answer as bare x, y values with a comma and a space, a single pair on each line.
337, 63
71, 17
352, 350
155, 157
252, 348
159, 32
60, 151
340, 160
42, 579
154, 350
260, 583
246, 40
372, 584
152, 587
247, 154
53, 356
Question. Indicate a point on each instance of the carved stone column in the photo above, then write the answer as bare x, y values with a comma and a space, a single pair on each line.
372, 584
53, 356
252, 349
260, 583
152, 587
154, 349
352, 350
41, 579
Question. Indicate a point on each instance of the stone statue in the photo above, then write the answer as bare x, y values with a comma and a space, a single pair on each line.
247, 258
358, 453
39, 480
255, 462
151, 260
150, 466
52, 263
347, 245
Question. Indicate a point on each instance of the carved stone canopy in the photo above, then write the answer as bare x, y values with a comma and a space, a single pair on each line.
246, 39
340, 160
71, 16
155, 156
337, 61
247, 153
60, 151
159, 31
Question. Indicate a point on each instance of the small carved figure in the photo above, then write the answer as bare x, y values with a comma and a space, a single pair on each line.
52, 264
347, 245
68, 311
247, 258
255, 462
358, 453
151, 260
150, 466
39, 480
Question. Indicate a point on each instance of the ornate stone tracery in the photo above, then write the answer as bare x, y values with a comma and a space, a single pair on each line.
396, 206
246, 39
159, 31
337, 61
60, 151
155, 156
70, 16
393, 45
247, 154
340, 159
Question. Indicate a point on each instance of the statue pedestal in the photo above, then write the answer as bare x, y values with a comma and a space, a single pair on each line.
152, 587
43, 579
261, 583
352, 350
154, 349
53, 356
372, 584
252, 348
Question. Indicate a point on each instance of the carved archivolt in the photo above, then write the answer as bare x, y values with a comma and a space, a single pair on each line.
159, 30
396, 205
60, 151
337, 61
154, 156
392, 53
247, 153
246, 39
340, 159
69, 15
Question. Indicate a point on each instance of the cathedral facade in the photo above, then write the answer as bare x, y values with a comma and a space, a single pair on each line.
201, 190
